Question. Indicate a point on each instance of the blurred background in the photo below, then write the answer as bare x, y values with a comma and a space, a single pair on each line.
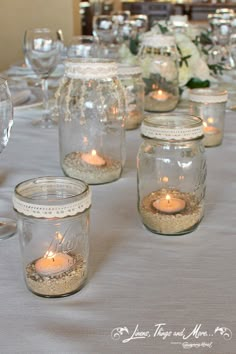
74, 17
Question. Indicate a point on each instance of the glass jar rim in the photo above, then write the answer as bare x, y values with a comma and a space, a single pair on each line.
50, 197
172, 126
206, 95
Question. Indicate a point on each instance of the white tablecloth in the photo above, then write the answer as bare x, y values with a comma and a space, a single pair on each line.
137, 280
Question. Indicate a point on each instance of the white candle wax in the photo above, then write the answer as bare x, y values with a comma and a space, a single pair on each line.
159, 95
58, 263
93, 158
169, 205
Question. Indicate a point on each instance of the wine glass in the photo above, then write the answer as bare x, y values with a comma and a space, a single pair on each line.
83, 47
7, 226
105, 28
43, 50
140, 22
221, 30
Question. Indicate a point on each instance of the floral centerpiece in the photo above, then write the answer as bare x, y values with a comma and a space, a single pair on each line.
193, 46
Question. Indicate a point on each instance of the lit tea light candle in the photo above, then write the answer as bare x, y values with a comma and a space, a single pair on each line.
169, 205
210, 130
53, 263
93, 158
159, 95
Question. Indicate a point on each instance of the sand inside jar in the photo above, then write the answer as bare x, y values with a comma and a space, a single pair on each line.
153, 105
133, 119
74, 166
56, 285
171, 224
213, 139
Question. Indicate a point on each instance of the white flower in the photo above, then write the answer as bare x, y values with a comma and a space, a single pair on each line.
201, 70
126, 56
185, 74
193, 63
195, 67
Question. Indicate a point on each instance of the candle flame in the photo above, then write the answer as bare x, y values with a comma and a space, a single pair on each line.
94, 153
165, 179
49, 254
210, 120
168, 198
205, 124
160, 92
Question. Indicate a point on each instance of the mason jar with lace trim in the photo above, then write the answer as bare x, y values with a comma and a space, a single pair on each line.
53, 225
158, 58
210, 105
131, 79
91, 121
171, 173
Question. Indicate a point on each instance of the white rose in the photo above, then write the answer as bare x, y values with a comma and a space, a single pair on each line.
186, 46
126, 56
185, 74
201, 70
196, 66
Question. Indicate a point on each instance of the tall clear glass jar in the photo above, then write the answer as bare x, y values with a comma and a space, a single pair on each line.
171, 173
210, 105
158, 58
53, 225
131, 79
91, 121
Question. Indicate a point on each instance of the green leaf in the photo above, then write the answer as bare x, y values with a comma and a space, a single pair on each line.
216, 68
134, 45
163, 29
197, 83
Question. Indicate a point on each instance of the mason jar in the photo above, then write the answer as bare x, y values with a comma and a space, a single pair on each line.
131, 79
92, 113
158, 58
171, 169
210, 105
53, 225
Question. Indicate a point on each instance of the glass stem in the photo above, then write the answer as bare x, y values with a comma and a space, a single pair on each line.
44, 84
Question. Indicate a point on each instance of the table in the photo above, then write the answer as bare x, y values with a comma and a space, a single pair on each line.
145, 293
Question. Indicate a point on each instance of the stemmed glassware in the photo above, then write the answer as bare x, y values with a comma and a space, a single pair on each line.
221, 30
83, 47
105, 28
43, 50
7, 226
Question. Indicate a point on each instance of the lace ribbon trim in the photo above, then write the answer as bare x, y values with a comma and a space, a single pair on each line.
172, 134
52, 211
88, 71
125, 70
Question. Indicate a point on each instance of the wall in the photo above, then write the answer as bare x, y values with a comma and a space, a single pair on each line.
17, 15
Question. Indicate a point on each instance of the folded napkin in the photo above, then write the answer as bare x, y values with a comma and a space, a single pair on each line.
20, 97
25, 71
